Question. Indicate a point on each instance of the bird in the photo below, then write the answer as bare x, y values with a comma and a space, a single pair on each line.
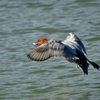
72, 49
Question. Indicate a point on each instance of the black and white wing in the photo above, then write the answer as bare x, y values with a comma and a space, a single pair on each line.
75, 39
51, 48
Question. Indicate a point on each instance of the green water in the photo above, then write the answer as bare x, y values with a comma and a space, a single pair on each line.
22, 22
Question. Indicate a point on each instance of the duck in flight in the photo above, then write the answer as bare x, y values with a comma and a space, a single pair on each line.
72, 49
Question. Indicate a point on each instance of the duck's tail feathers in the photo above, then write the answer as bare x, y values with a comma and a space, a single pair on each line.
94, 64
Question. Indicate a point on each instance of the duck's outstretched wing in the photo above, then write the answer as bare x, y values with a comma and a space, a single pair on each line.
79, 42
49, 49
75, 39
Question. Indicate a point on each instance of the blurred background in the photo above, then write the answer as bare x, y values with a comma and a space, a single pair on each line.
22, 22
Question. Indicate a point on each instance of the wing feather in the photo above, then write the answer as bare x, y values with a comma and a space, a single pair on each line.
52, 48
79, 42
73, 38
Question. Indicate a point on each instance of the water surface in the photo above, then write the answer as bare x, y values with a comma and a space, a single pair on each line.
22, 22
